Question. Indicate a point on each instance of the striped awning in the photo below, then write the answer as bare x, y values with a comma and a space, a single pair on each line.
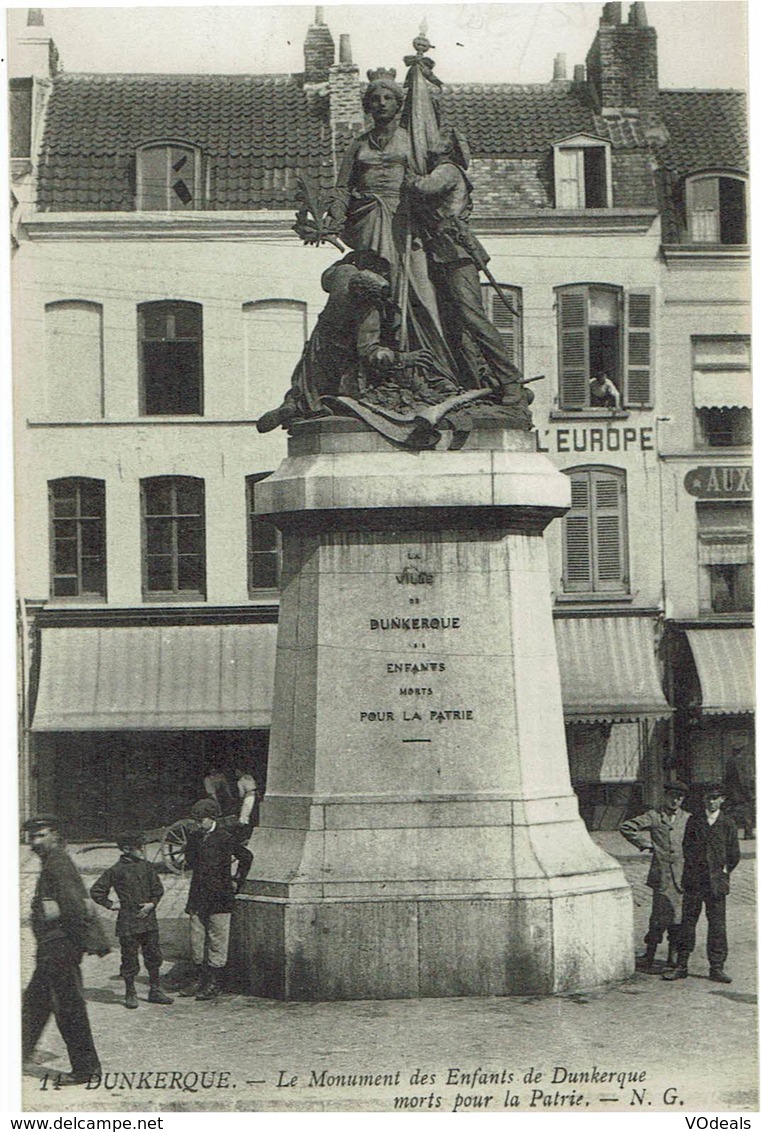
154, 678
726, 390
608, 669
725, 664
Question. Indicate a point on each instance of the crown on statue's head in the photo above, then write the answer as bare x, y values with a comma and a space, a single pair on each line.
382, 73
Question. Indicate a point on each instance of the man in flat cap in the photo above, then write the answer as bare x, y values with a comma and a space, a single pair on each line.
660, 832
209, 853
60, 925
711, 851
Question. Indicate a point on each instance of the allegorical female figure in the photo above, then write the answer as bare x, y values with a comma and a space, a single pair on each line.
369, 203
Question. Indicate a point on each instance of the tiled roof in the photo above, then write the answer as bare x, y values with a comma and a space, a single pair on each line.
708, 129
256, 134
500, 119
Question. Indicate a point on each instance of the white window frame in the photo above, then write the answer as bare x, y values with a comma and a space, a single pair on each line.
691, 213
564, 150
198, 183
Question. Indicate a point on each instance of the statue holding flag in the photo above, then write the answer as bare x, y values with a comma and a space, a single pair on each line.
402, 195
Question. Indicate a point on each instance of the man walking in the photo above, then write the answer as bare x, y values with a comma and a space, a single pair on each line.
209, 853
661, 832
711, 851
59, 922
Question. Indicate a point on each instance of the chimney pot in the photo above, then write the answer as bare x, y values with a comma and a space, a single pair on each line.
344, 49
558, 69
638, 15
319, 15
611, 12
34, 18
579, 73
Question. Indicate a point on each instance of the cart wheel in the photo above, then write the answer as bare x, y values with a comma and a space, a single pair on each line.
173, 847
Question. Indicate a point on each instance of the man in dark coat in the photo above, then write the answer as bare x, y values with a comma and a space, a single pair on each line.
711, 851
59, 922
660, 832
209, 853
136, 882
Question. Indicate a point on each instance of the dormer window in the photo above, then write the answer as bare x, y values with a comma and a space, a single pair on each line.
716, 209
168, 178
582, 173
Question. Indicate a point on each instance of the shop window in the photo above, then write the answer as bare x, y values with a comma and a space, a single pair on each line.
77, 508
582, 173
274, 332
716, 209
722, 390
605, 348
168, 178
595, 547
73, 360
725, 557
174, 538
508, 323
263, 545
171, 358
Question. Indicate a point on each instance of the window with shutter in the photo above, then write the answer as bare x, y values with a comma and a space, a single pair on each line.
574, 349
639, 349
716, 209
509, 325
594, 532
582, 173
168, 178
605, 338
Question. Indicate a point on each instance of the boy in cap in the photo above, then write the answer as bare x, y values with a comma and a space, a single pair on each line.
660, 832
711, 851
59, 922
209, 853
136, 882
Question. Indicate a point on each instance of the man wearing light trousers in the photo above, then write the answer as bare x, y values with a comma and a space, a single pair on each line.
210, 852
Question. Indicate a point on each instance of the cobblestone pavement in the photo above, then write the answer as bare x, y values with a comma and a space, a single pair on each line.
693, 1037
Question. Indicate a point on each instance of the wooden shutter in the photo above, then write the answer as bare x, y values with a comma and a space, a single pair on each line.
608, 540
569, 178
508, 325
639, 349
594, 533
577, 543
703, 208
573, 349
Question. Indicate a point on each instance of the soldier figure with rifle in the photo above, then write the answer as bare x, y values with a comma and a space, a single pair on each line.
441, 200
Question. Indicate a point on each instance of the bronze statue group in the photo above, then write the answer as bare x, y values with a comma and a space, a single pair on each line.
404, 342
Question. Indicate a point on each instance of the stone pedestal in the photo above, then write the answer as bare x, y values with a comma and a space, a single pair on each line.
420, 836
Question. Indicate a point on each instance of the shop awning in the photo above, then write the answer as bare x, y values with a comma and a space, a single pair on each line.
608, 669
154, 678
726, 390
724, 660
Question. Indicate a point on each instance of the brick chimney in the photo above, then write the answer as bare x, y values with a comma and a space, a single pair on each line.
622, 64
347, 118
319, 51
32, 66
